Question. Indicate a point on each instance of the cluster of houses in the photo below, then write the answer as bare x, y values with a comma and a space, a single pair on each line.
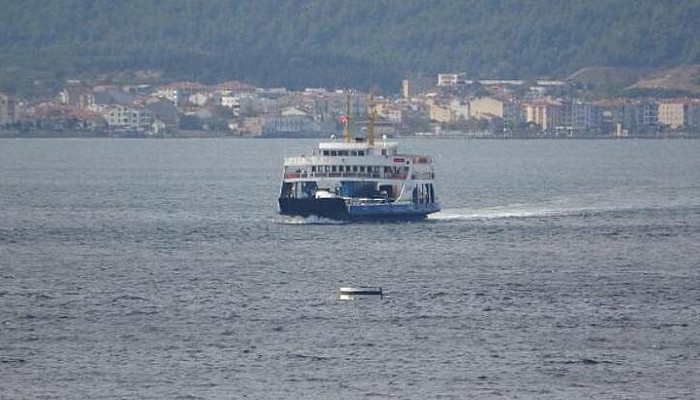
545, 108
447, 106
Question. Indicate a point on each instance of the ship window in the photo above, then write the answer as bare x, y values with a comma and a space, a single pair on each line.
354, 168
313, 168
325, 152
353, 153
383, 152
343, 153
360, 152
362, 168
333, 168
334, 153
327, 168
340, 168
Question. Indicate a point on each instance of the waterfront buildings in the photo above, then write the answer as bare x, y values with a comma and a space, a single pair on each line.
443, 103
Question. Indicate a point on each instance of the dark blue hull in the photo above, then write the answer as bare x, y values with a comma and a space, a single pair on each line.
337, 209
333, 208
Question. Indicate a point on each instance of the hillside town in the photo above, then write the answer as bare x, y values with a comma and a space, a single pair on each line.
448, 105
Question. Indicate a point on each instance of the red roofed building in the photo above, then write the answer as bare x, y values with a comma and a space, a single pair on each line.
235, 87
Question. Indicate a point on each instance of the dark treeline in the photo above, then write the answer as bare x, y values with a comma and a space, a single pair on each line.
339, 43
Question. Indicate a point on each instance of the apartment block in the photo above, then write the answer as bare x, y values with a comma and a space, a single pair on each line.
489, 107
440, 113
548, 115
128, 118
8, 110
673, 113
485, 107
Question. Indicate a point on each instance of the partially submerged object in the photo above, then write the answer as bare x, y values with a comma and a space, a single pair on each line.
350, 293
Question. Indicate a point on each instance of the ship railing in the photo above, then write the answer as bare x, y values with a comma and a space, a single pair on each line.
366, 201
423, 176
366, 175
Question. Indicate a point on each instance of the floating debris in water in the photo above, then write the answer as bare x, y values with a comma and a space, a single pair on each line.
350, 293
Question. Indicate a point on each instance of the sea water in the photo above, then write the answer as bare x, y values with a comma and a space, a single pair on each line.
160, 269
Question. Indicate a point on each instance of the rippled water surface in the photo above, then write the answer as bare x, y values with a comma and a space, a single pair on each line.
159, 269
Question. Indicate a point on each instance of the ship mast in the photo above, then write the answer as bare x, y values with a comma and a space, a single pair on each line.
346, 130
372, 117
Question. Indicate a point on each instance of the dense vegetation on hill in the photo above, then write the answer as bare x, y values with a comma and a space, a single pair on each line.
338, 43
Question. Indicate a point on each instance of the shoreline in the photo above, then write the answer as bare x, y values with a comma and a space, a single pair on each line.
207, 135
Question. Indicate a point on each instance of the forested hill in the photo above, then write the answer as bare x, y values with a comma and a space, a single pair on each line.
338, 43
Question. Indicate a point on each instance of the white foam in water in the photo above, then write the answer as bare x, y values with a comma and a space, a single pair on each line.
310, 220
590, 203
513, 211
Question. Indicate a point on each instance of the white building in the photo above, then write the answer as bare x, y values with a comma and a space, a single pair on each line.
199, 99
451, 79
134, 119
460, 108
393, 115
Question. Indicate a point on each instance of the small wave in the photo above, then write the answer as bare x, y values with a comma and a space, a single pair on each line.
582, 361
27, 293
148, 311
127, 297
12, 360
307, 357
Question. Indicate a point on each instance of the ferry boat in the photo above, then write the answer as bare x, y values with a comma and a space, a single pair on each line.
358, 179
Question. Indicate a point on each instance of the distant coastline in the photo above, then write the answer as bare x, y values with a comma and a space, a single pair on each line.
48, 134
